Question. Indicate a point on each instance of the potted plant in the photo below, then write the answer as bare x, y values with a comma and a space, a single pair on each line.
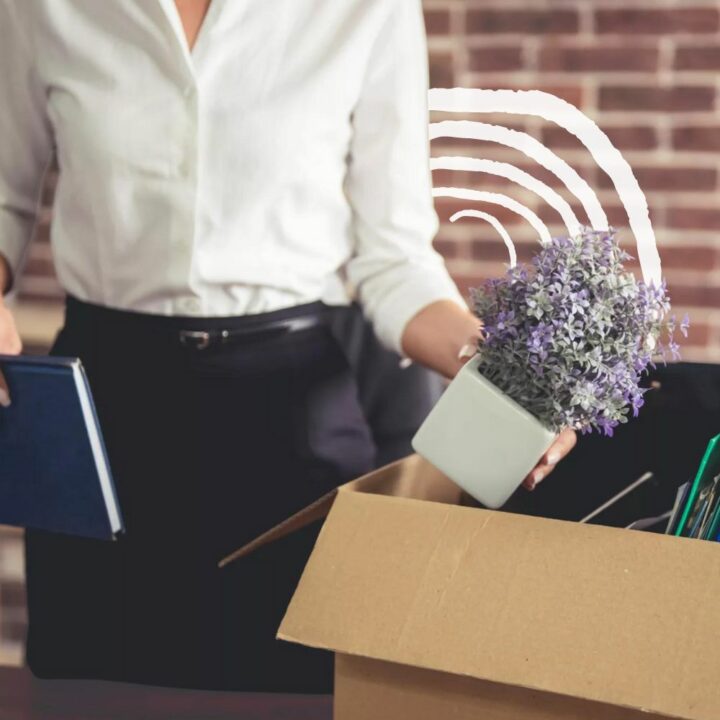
565, 343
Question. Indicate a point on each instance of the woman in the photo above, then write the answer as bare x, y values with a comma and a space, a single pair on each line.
222, 164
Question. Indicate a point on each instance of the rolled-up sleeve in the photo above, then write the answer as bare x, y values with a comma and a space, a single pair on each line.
25, 136
395, 270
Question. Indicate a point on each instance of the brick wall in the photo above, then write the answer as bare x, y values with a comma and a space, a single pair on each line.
13, 617
645, 70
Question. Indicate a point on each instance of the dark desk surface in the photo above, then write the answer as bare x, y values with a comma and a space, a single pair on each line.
23, 697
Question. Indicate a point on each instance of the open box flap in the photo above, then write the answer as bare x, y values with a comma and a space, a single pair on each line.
618, 616
410, 477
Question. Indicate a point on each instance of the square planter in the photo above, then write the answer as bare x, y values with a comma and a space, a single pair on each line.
482, 439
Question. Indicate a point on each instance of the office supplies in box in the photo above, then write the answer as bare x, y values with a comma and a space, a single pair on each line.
700, 516
436, 609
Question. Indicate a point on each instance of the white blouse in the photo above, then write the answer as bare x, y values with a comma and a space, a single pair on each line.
285, 154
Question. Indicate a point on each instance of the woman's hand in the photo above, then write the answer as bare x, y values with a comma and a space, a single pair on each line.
565, 442
10, 343
436, 337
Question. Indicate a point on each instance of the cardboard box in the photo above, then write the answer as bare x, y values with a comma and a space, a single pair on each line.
438, 610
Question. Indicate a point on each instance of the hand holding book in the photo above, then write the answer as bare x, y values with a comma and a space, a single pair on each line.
10, 343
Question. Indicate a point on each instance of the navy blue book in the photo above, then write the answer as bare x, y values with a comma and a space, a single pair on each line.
54, 472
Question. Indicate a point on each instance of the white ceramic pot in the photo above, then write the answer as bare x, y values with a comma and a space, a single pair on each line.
482, 439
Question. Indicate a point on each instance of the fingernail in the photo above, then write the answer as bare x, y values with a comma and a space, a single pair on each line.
537, 476
4, 398
553, 458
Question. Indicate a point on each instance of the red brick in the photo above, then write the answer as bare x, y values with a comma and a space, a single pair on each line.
446, 207
437, 22
496, 59
42, 233
469, 179
492, 249
681, 98
693, 218
657, 21
692, 57
639, 137
688, 257
452, 145
522, 21
572, 93
699, 295
483, 180
550, 216
698, 335
449, 145
441, 70
445, 178
12, 631
447, 248
39, 267
51, 293
466, 281
554, 136
599, 59
616, 214
587, 172
702, 138
671, 178
618, 218
12, 594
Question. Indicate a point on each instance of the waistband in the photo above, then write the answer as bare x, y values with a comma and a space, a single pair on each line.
81, 310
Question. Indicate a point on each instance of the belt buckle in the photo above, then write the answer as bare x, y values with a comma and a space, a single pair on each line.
197, 339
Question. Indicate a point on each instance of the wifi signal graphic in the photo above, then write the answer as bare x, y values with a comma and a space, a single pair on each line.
552, 109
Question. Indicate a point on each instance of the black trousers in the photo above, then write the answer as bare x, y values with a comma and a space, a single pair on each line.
208, 449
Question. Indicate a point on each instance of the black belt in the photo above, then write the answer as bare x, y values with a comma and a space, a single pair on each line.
203, 339
199, 333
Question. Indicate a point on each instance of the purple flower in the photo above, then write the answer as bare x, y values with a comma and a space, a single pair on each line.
570, 335
685, 325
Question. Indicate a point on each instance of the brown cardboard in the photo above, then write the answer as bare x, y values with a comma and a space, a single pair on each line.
438, 610
410, 477
379, 690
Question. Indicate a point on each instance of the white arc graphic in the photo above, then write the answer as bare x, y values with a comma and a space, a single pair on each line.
535, 150
498, 199
504, 234
510, 172
606, 155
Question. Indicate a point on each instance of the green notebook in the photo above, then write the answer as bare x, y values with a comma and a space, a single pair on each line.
700, 514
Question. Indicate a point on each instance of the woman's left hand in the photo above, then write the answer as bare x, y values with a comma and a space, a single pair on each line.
437, 337
564, 443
